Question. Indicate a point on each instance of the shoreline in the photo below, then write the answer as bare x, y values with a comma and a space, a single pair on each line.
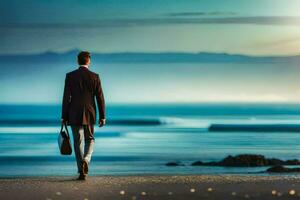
248, 174
152, 187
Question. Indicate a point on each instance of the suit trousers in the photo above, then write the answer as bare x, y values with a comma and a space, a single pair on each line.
84, 140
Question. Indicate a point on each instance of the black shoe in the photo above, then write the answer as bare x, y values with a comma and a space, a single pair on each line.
85, 166
81, 177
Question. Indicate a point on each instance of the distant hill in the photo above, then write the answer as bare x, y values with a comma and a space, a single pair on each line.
144, 57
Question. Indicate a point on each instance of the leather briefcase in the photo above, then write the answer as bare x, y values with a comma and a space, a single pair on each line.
64, 142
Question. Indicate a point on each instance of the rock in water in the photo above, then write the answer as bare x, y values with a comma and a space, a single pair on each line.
244, 160
247, 160
174, 164
282, 169
292, 162
197, 163
274, 161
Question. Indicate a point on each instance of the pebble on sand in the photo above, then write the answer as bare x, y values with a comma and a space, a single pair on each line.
58, 193
292, 192
122, 192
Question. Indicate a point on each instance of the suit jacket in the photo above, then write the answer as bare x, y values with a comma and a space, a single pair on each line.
82, 86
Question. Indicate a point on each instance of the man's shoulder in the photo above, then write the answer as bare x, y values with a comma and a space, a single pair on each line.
72, 72
93, 73
76, 71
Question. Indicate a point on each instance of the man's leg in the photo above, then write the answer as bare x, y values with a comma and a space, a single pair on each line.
89, 142
78, 136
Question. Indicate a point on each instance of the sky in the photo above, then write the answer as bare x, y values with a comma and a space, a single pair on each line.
248, 27
252, 27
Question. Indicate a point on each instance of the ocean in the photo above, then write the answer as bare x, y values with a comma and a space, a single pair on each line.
142, 138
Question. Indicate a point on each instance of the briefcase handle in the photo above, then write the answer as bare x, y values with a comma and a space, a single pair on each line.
63, 124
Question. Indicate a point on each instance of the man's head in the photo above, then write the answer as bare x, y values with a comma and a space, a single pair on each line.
84, 58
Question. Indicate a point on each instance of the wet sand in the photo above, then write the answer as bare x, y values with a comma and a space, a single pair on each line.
160, 187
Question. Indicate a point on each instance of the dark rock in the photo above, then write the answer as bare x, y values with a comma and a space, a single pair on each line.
197, 163
277, 168
200, 163
282, 169
171, 164
292, 162
275, 161
247, 160
244, 160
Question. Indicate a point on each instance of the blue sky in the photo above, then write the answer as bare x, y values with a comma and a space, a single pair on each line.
253, 27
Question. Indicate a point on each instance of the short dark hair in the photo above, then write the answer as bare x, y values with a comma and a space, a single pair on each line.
83, 57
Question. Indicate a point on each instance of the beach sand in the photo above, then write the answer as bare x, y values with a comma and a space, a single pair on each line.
152, 187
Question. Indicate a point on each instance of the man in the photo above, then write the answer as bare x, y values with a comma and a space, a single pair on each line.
82, 86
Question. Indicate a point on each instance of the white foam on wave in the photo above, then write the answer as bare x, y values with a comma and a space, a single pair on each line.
185, 122
176, 122
29, 130
38, 130
167, 124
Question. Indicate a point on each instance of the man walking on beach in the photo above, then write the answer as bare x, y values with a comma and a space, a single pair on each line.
82, 86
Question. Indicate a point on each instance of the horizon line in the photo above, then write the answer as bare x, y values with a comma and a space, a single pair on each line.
152, 52
167, 103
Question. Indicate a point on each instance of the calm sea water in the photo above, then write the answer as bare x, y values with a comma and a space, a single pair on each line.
141, 139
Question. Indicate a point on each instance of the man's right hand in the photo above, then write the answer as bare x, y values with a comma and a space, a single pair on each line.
63, 121
101, 122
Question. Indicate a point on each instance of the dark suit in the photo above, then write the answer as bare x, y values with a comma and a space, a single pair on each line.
79, 110
81, 88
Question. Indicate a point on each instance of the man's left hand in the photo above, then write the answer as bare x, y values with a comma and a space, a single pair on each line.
102, 122
63, 121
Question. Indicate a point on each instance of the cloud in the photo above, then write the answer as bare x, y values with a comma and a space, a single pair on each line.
261, 20
258, 20
284, 45
193, 14
243, 97
189, 96
280, 42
